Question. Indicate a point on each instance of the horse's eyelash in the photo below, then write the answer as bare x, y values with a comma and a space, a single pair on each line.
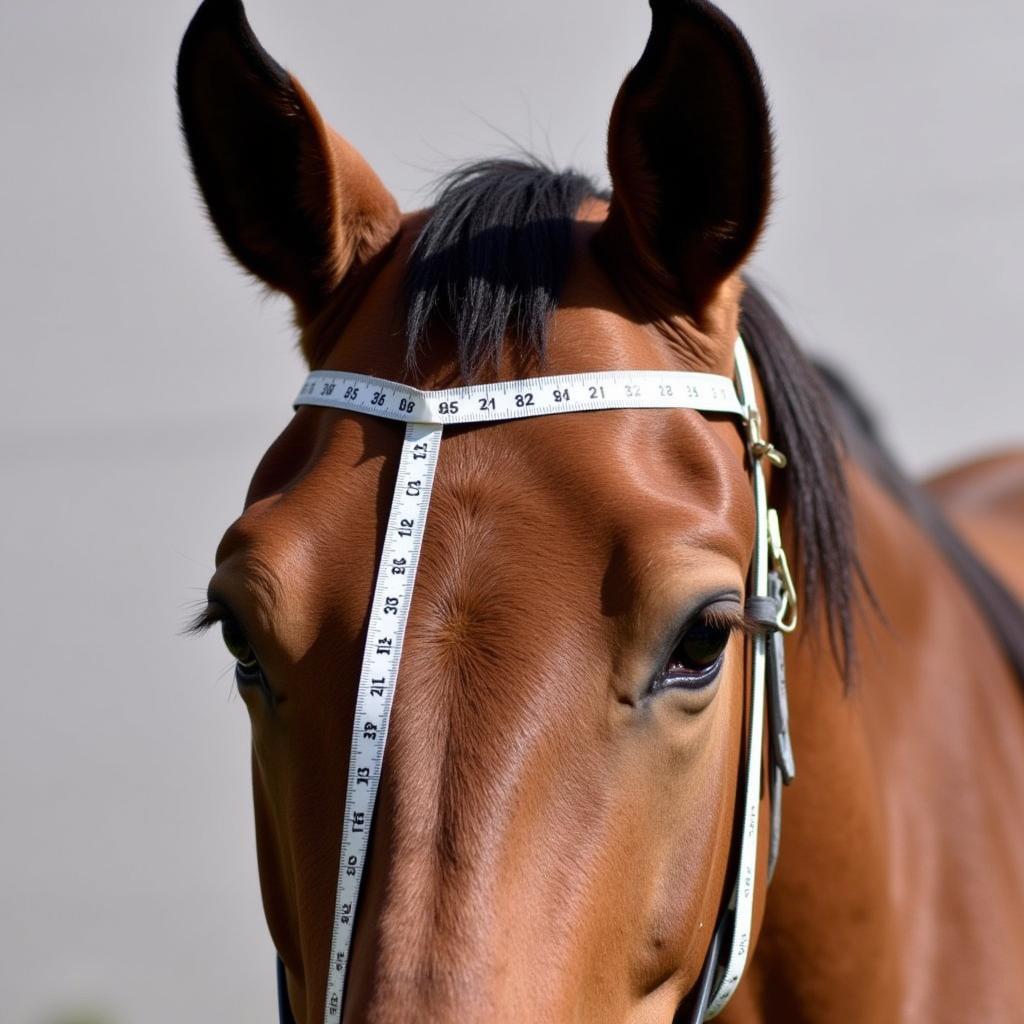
209, 617
732, 618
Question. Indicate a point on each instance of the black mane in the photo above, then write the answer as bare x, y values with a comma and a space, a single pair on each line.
813, 486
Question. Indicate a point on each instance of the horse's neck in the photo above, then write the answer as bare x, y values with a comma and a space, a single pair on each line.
899, 786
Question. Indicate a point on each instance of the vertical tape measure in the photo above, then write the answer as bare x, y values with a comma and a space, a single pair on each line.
425, 414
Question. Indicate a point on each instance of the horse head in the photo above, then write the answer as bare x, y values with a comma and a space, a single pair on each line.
554, 830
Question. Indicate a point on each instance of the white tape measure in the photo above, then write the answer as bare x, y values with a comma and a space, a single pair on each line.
426, 413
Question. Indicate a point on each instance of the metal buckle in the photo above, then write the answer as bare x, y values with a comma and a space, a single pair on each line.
789, 613
759, 447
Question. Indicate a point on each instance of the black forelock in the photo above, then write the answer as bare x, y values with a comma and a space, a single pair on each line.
492, 258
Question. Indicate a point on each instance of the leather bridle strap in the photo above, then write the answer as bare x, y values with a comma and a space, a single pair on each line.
770, 590
766, 613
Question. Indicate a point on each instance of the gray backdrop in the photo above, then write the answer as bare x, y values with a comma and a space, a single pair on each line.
144, 376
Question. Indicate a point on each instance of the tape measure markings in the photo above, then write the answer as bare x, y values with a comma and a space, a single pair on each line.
539, 396
382, 653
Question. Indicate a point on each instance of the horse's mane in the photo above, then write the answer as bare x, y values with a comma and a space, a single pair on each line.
813, 486
490, 263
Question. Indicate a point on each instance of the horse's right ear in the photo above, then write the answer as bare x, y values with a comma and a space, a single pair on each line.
293, 201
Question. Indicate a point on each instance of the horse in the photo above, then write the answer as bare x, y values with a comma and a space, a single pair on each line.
554, 838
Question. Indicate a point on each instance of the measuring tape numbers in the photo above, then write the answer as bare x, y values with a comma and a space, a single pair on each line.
425, 414
382, 654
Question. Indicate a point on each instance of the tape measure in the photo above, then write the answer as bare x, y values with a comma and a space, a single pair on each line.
425, 414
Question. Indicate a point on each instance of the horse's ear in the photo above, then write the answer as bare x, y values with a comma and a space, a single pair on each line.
293, 201
690, 153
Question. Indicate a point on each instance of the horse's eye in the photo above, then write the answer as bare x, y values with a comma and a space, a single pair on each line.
239, 647
697, 657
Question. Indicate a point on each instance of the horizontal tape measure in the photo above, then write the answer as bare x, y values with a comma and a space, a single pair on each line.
425, 414
521, 399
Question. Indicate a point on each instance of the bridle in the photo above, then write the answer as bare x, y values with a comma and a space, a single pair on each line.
771, 605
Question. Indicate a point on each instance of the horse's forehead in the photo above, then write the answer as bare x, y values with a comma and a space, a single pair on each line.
537, 505
555, 526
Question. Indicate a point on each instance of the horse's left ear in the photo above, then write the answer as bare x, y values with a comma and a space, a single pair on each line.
690, 154
293, 201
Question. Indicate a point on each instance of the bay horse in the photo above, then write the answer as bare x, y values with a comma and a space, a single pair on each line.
554, 836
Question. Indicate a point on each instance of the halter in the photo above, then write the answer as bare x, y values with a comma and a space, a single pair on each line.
771, 605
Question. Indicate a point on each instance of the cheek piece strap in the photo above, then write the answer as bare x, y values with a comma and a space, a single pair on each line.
771, 603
